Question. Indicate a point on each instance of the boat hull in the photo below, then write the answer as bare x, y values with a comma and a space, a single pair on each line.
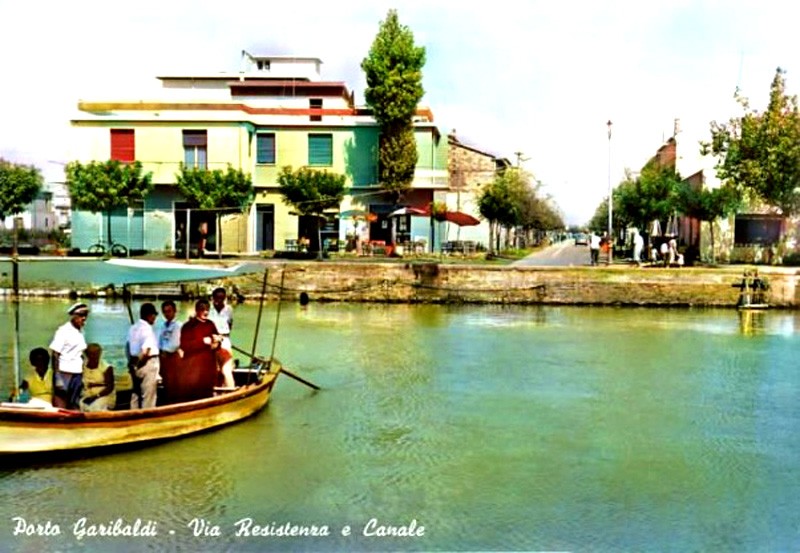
26, 431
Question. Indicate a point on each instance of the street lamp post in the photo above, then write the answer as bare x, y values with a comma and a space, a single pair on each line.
610, 202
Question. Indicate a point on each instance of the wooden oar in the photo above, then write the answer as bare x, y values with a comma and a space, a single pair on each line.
288, 373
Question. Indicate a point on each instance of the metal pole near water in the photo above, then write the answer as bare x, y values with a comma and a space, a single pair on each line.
17, 360
610, 202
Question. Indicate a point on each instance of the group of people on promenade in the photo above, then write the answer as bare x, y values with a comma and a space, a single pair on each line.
667, 253
189, 359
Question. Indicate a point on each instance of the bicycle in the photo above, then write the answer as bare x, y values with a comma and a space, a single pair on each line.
116, 250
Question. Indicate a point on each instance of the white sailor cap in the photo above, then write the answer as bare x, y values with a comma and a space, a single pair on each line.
78, 309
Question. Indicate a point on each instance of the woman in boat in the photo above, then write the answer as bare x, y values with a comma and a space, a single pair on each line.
98, 382
199, 342
38, 387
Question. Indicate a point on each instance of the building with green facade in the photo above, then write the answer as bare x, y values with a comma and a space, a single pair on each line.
275, 112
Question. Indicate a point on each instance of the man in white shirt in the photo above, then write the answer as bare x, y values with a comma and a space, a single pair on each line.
169, 330
67, 346
169, 344
221, 314
594, 248
143, 354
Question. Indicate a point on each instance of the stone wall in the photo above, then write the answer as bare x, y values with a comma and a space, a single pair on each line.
434, 283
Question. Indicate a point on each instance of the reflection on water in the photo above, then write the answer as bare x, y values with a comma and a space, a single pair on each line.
516, 428
752, 322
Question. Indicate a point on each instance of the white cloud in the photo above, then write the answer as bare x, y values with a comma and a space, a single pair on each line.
537, 77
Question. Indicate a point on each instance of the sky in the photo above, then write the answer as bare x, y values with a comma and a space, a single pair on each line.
538, 78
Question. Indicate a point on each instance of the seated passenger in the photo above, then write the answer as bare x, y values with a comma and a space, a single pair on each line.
98, 382
37, 389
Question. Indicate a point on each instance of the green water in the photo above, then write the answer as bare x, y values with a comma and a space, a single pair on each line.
519, 428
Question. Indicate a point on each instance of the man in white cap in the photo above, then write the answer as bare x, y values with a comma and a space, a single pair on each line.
221, 314
67, 346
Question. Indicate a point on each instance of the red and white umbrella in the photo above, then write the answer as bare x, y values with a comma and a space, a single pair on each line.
461, 219
408, 210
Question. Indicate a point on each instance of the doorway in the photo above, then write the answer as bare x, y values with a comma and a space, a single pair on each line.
265, 227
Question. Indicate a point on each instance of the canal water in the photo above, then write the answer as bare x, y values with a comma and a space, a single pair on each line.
465, 428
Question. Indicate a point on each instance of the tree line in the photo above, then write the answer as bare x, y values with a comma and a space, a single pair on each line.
513, 201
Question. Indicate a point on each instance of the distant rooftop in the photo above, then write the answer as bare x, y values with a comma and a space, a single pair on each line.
264, 67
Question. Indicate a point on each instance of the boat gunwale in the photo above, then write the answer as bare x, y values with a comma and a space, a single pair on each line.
64, 416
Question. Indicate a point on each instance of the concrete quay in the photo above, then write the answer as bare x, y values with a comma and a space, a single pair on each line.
402, 281
448, 283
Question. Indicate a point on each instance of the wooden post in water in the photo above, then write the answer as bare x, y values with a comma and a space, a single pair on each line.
17, 355
15, 276
260, 309
278, 314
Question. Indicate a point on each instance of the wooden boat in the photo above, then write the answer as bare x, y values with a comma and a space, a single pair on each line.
29, 431
26, 430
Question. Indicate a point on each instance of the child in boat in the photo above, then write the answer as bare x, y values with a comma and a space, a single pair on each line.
98, 382
38, 387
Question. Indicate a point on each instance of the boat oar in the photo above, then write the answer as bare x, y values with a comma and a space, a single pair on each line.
288, 373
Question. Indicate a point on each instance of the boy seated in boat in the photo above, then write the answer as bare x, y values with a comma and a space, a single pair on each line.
98, 382
37, 389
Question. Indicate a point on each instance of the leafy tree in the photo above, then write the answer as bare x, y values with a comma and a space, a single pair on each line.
19, 186
599, 220
708, 204
759, 153
393, 68
397, 160
500, 202
102, 186
537, 213
311, 192
216, 189
650, 196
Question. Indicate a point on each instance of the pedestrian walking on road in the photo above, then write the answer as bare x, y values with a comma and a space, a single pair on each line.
594, 248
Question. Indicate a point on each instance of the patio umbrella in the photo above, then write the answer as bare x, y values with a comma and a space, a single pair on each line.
408, 210
672, 226
655, 228
358, 214
461, 219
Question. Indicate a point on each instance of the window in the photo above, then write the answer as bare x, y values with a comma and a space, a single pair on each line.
315, 103
265, 148
752, 228
123, 145
194, 149
320, 149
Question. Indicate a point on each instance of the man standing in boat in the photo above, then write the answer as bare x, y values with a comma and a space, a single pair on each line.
68, 345
221, 314
169, 344
143, 351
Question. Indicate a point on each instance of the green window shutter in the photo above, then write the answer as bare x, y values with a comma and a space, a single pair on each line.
265, 148
320, 149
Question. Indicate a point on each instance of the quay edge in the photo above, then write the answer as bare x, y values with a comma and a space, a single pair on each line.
417, 282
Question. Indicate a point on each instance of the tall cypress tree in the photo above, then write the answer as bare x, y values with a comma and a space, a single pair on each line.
393, 69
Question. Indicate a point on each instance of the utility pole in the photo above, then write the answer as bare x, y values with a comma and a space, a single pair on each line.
520, 158
610, 202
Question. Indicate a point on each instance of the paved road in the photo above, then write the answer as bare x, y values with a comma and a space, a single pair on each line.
563, 254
